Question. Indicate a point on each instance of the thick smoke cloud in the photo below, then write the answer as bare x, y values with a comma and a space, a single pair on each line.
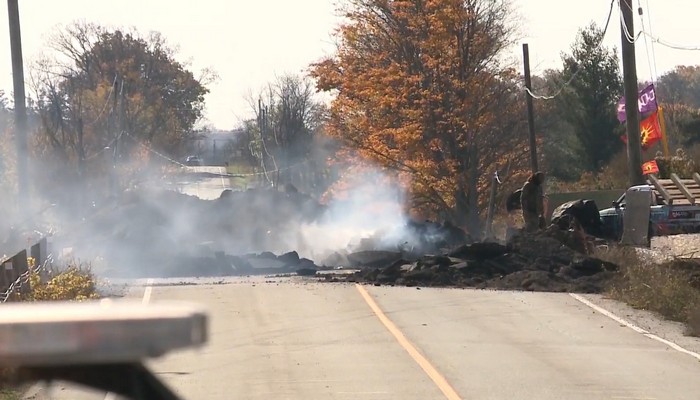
370, 210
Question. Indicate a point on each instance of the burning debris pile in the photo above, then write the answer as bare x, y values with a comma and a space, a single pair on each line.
167, 234
534, 262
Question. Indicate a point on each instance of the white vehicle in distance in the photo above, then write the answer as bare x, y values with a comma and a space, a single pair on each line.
193, 161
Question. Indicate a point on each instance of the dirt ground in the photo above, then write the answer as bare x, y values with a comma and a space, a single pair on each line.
685, 246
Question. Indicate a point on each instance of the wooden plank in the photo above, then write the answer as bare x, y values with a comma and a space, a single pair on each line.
677, 193
679, 189
686, 193
660, 188
696, 178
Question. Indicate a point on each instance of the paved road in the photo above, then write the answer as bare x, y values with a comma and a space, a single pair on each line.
207, 188
294, 339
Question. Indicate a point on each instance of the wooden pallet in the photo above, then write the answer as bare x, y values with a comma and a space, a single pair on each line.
677, 191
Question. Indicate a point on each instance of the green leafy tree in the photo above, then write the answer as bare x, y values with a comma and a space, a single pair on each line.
588, 104
561, 149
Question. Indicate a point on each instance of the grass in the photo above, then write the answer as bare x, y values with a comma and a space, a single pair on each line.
9, 394
671, 288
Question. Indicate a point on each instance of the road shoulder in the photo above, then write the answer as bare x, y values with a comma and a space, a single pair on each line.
651, 322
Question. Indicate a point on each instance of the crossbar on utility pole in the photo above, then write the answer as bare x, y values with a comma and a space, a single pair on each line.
629, 70
530, 109
20, 102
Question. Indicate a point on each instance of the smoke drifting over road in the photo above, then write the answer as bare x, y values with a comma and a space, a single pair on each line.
369, 209
151, 231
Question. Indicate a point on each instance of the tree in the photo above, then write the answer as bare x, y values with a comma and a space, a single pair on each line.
680, 86
7, 151
561, 150
588, 104
101, 83
421, 89
285, 133
679, 93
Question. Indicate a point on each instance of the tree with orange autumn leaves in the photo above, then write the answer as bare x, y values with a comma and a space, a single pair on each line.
422, 89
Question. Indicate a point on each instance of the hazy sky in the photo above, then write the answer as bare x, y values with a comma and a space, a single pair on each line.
248, 42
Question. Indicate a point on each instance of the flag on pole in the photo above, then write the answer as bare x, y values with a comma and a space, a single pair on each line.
646, 101
650, 167
650, 130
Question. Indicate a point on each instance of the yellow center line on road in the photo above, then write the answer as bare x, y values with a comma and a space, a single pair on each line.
419, 358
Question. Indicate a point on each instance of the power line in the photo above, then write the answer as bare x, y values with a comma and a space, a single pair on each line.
646, 44
578, 70
671, 45
655, 39
653, 48
631, 39
105, 148
104, 108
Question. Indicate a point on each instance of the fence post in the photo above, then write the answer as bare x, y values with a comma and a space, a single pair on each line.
21, 266
5, 275
492, 205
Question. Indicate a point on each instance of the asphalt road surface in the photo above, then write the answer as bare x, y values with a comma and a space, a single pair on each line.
206, 188
289, 338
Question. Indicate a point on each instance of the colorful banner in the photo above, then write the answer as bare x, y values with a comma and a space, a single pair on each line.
650, 131
650, 167
647, 103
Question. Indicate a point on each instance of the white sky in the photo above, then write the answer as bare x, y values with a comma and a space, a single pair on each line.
248, 42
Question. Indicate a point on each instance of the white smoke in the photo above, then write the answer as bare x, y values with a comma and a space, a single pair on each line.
371, 209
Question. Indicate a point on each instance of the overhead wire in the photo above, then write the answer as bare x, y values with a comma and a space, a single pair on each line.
628, 35
264, 173
672, 45
655, 39
578, 70
653, 47
104, 107
646, 44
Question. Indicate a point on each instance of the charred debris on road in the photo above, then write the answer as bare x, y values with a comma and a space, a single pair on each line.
169, 234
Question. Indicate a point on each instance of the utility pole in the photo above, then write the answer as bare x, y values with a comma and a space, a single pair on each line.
114, 130
122, 121
20, 102
629, 70
119, 131
530, 109
495, 181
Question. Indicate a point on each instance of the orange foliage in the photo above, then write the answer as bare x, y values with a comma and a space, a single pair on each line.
420, 91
